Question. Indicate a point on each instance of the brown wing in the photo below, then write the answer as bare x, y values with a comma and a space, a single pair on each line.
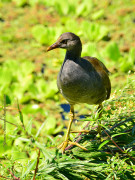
100, 68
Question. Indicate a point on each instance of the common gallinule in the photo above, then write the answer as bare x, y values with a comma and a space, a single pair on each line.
81, 79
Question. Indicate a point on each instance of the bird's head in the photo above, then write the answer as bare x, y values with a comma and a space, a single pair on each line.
66, 41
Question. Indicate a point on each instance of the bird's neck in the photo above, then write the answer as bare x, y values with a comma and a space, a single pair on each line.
74, 54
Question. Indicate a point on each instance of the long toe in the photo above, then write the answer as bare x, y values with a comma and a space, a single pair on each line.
63, 146
77, 144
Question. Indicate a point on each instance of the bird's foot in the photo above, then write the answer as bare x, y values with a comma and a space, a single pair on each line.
65, 144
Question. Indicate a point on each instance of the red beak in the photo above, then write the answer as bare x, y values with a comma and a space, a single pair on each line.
53, 46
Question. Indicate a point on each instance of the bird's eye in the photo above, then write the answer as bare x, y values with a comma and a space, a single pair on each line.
64, 41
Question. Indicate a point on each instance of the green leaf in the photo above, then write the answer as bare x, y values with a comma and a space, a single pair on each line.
112, 51
27, 68
20, 2
29, 126
101, 145
125, 66
29, 168
84, 8
91, 49
6, 38
117, 134
8, 100
98, 14
40, 34
44, 35
131, 56
5, 77
39, 130
94, 31
72, 26
63, 7
41, 85
45, 151
58, 129
15, 152
34, 2
50, 125
13, 66
20, 113
51, 90
32, 108
133, 130
33, 90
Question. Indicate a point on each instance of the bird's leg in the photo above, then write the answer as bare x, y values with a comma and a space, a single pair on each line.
67, 139
99, 110
65, 143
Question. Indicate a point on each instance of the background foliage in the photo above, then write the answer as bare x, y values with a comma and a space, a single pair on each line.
36, 114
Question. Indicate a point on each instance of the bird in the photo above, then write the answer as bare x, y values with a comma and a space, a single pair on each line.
80, 80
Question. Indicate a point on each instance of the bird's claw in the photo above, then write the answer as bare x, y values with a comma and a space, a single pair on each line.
63, 146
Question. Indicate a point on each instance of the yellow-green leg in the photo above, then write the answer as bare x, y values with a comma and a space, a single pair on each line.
99, 110
67, 139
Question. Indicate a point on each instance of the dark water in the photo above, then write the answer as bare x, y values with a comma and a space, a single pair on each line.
66, 108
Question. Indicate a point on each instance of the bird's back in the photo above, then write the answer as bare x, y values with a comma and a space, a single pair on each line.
84, 80
104, 72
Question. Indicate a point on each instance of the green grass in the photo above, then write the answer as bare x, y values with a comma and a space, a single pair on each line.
33, 112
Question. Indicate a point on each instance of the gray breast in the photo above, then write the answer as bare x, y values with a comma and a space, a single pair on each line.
80, 83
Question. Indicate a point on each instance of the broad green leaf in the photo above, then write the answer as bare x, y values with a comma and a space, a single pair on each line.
5, 76
33, 90
44, 35
20, 2
58, 129
98, 14
94, 31
63, 7
27, 67
125, 65
72, 26
16, 154
84, 8
13, 66
112, 51
50, 125
41, 85
90, 49
6, 38
51, 90
32, 108
34, 2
